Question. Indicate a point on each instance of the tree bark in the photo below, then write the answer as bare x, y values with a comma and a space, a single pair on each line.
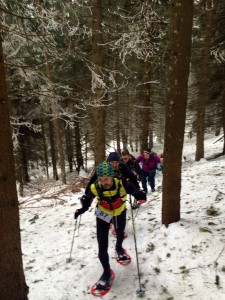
223, 118
12, 280
78, 146
45, 147
56, 127
69, 146
146, 141
176, 102
23, 153
203, 84
117, 127
98, 92
52, 150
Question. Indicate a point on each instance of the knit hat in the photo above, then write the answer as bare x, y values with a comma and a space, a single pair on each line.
147, 151
113, 156
104, 169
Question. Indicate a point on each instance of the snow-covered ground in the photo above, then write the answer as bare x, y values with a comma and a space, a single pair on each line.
184, 261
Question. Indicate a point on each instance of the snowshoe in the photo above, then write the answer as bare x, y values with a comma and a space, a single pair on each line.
142, 201
114, 233
140, 197
122, 257
103, 285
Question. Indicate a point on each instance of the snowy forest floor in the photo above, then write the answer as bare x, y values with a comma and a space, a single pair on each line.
184, 261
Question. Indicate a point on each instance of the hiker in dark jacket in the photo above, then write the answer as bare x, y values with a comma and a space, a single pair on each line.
133, 166
131, 163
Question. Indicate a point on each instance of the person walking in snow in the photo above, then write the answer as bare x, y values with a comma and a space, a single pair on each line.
111, 208
131, 163
134, 167
149, 161
121, 171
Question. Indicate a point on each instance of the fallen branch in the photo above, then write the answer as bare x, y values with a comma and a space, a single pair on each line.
41, 191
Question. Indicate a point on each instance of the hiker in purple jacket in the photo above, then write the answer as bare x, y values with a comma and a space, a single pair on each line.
149, 161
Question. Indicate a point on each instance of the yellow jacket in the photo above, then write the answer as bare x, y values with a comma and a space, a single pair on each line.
113, 201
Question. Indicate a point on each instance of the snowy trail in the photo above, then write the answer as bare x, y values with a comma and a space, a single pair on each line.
181, 262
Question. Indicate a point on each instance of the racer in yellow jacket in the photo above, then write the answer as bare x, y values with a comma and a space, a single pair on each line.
111, 208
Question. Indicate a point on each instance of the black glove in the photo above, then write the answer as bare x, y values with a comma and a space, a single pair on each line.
85, 205
140, 195
78, 212
83, 200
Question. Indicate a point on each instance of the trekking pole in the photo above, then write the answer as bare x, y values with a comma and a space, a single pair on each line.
136, 211
69, 259
78, 227
140, 292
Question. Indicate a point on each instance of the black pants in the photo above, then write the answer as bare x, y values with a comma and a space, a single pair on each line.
103, 237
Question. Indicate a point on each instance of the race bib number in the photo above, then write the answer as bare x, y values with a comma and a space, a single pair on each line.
102, 215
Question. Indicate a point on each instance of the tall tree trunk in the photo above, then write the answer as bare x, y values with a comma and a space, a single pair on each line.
78, 146
55, 120
23, 153
79, 164
12, 280
69, 146
56, 127
203, 84
19, 172
86, 150
59, 146
98, 91
176, 102
223, 119
146, 116
53, 152
217, 117
117, 127
45, 147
